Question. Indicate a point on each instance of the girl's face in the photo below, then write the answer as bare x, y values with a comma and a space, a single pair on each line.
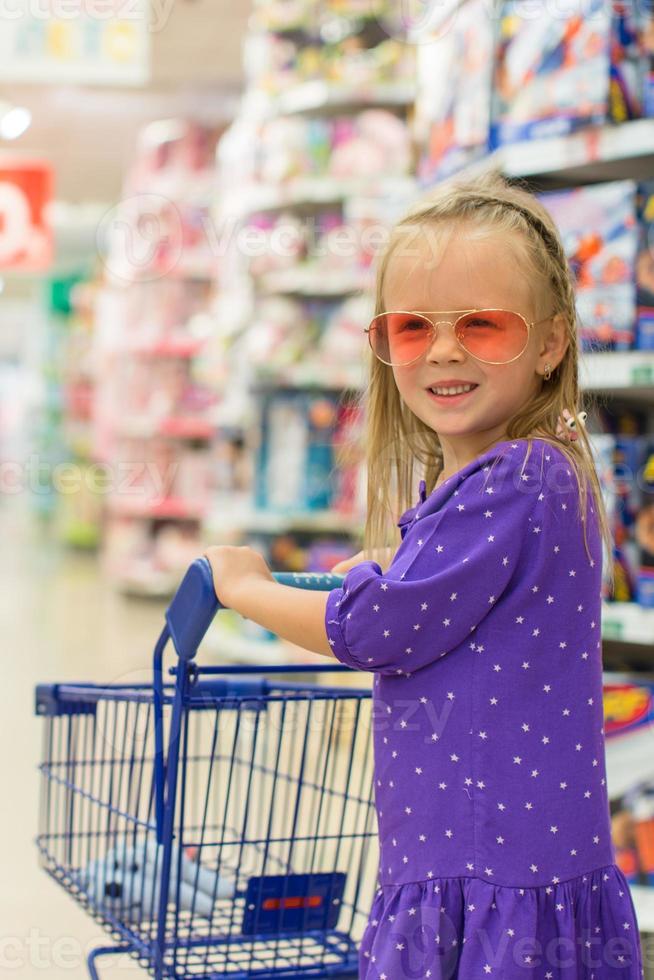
460, 269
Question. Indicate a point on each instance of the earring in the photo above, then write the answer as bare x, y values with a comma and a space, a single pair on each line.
548, 373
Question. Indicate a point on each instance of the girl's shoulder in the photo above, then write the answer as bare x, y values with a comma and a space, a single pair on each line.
531, 459
513, 471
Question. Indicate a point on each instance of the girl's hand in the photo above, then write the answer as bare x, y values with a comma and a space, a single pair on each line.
235, 569
341, 567
382, 555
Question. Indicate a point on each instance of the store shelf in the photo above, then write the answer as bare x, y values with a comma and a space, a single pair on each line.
171, 508
143, 581
306, 375
627, 374
268, 522
628, 622
590, 155
314, 282
312, 192
173, 427
181, 348
320, 96
282, 18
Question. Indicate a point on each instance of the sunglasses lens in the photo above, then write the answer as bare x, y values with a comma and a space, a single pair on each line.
399, 338
493, 335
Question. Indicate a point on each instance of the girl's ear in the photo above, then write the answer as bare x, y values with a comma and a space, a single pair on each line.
555, 341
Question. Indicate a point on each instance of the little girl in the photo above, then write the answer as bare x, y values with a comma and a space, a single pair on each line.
495, 850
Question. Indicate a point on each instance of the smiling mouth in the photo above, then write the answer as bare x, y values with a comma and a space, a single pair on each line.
452, 391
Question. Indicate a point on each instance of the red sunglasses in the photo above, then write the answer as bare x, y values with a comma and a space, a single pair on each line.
492, 336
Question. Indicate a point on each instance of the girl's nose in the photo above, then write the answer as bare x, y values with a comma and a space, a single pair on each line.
443, 342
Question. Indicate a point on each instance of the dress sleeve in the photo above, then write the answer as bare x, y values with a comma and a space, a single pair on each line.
452, 568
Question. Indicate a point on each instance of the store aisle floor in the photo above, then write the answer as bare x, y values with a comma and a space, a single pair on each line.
59, 622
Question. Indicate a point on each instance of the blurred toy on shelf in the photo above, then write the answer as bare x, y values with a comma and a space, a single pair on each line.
645, 267
295, 463
317, 342
159, 227
310, 15
149, 559
71, 496
624, 457
559, 72
283, 334
372, 143
350, 47
647, 39
159, 317
454, 92
644, 527
600, 234
627, 61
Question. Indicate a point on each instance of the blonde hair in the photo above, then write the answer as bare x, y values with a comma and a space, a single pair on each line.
397, 442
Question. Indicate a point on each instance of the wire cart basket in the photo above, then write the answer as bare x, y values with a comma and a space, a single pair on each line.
218, 824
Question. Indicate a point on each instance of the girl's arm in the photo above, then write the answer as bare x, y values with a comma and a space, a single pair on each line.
294, 614
244, 582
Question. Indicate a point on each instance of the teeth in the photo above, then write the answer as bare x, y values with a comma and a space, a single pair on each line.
458, 390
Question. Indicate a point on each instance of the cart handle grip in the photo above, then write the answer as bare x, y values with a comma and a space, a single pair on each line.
195, 603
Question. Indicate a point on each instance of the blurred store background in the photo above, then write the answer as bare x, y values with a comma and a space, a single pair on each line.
192, 197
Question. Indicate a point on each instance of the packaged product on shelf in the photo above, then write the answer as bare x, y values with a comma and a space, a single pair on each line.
643, 810
628, 66
454, 92
628, 717
644, 527
645, 268
600, 234
295, 457
647, 37
623, 835
282, 334
625, 562
629, 458
603, 448
562, 71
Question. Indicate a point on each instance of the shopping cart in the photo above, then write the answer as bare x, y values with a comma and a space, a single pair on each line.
218, 824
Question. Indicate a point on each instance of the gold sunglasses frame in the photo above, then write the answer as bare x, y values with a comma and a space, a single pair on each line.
424, 313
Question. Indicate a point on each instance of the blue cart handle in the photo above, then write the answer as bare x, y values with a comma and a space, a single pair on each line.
195, 603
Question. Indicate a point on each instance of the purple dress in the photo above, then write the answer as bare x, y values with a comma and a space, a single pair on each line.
484, 637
